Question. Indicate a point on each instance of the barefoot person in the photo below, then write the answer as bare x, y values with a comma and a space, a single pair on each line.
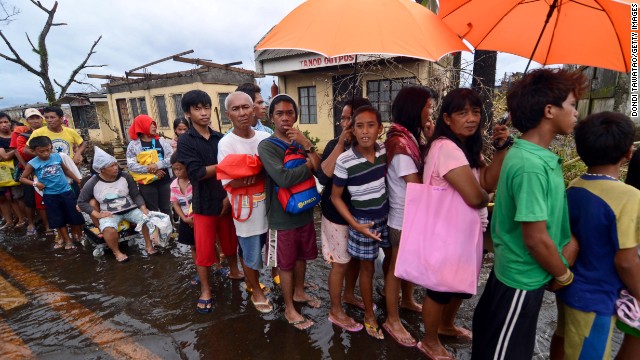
118, 198
292, 238
335, 230
252, 230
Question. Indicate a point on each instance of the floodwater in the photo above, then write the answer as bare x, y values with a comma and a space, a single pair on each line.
83, 307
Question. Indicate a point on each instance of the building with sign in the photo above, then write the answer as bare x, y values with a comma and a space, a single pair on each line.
320, 85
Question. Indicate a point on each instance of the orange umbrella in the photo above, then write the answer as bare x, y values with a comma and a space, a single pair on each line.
338, 27
586, 32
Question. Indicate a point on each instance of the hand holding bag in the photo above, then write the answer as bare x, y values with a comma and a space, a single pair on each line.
238, 166
441, 242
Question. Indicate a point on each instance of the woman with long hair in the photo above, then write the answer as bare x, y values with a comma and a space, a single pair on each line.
459, 164
411, 113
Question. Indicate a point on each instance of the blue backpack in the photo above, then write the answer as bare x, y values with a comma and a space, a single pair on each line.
302, 196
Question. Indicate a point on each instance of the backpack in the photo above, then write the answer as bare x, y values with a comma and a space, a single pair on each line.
302, 196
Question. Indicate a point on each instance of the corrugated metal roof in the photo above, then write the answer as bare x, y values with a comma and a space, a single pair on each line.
277, 53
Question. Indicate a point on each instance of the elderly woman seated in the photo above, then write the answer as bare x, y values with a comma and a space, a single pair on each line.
118, 197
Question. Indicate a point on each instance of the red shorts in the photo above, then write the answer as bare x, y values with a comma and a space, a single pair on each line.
205, 228
288, 246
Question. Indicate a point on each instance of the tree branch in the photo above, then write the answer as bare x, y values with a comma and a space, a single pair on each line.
32, 46
18, 60
38, 4
82, 65
58, 24
8, 14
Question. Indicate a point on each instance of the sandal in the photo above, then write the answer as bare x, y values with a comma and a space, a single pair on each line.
312, 302
58, 245
70, 246
374, 331
207, 308
397, 338
431, 355
352, 327
300, 324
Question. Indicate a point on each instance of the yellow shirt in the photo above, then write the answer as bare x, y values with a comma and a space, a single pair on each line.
62, 141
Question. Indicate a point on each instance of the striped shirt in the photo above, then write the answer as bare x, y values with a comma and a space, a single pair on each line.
365, 182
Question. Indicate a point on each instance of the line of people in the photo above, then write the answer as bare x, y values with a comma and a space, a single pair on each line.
248, 191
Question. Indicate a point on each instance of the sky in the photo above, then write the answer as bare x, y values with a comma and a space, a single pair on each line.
135, 32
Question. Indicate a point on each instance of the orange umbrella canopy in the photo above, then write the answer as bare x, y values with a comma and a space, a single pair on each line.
338, 27
585, 32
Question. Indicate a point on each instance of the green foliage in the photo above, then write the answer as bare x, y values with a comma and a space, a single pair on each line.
314, 139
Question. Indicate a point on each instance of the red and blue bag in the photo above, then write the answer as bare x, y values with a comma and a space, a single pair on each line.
302, 196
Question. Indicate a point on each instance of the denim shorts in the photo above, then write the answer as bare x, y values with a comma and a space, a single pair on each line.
134, 216
251, 248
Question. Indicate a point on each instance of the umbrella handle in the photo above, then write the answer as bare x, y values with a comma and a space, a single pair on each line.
552, 8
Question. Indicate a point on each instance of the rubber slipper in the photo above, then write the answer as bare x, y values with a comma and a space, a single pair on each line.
461, 334
124, 260
155, 252
397, 339
276, 280
241, 277
313, 302
264, 303
195, 280
265, 289
70, 247
430, 355
31, 231
301, 322
208, 306
353, 327
58, 245
373, 331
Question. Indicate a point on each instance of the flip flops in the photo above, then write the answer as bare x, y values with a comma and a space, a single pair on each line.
208, 306
430, 355
353, 327
299, 324
397, 339
373, 331
313, 302
267, 307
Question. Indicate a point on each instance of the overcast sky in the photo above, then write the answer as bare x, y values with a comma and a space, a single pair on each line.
135, 32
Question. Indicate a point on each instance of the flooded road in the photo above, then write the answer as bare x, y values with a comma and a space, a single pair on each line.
81, 307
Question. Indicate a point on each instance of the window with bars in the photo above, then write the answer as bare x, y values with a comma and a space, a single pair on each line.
308, 105
161, 106
224, 120
382, 92
85, 117
138, 106
177, 105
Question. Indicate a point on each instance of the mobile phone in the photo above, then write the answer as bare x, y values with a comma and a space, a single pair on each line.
504, 119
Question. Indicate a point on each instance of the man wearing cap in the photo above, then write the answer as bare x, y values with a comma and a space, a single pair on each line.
19, 139
63, 139
292, 237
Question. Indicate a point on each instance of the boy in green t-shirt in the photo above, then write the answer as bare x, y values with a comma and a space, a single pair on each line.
530, 223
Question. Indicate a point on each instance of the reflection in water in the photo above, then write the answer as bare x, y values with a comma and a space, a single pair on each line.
149, 304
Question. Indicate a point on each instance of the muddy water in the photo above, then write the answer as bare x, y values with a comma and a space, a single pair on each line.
94, 308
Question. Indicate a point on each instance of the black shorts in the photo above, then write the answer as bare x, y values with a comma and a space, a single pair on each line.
61, 210
505, 322
444, 298
29, 196
185, 234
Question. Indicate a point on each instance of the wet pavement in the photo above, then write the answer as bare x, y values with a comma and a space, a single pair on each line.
81, 307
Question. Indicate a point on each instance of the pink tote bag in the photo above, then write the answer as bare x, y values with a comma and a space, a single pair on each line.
441, 243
